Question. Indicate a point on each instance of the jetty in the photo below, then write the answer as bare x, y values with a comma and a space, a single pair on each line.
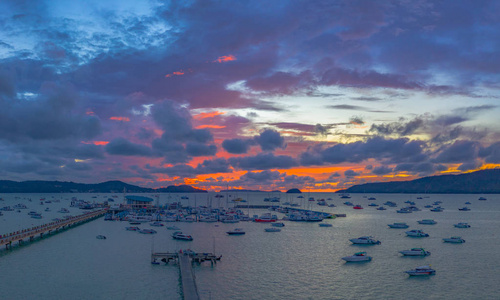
46, 229
185, 260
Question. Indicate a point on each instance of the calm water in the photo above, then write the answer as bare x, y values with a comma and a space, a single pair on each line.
303, 261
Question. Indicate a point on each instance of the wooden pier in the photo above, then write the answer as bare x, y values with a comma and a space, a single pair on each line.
185, 261
45, 229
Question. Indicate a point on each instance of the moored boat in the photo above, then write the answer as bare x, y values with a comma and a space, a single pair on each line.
236, 231
398, 225
461, 225
367, 240
427, 222
325, 225
182, 236
454, 240
465, 208
415, 252
101, 237
416, 233
132, 228
147, 231
272, 229
421, 271
359, 256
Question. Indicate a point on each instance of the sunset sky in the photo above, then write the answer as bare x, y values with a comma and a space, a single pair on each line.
269, 95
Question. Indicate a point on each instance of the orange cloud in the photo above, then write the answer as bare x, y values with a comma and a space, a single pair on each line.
90, 113
123, 119
98, 143
208, 115
225, 58
210, 126
178, 73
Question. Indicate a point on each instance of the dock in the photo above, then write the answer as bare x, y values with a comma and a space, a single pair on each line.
46, 229
185, 261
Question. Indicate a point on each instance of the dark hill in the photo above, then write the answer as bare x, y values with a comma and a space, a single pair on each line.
479, 182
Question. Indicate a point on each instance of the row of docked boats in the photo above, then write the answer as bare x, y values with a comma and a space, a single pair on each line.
426, 222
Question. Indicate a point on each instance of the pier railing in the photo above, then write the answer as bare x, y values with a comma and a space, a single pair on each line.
32, 232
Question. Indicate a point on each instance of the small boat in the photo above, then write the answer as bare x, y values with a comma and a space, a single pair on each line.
381, 208
421, 271
147, 231
482, 198
367, 240
132, 228
357, 206
359, 256
454, 239
404, 210
173, 228
461, 225
278, 224
236, 231
467, 203
101, 237
156, 224
437, 209
416, 233
182, 236
427, 222
348, 203
372, 198
465, 208
272, 229
373, 204
415, 252
325, 225
398, 225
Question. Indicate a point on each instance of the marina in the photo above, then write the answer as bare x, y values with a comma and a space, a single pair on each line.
255, 259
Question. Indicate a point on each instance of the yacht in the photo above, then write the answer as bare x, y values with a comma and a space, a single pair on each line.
427, 222
398, 225
272, 229
421, 271
236, 231
359, 256
182, 236
266, 218
454, 239
415, 252
416, 233
461, 225
365, 240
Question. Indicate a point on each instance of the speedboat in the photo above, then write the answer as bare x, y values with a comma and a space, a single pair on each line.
132, 228
415, 252
357, 206
421, 271
368, 240
147, 231
272, 229
348, 203
454, 239
359, 256
465, 208
101, 237
236, 231
182, 236
156, 224
427, 222
416, 233
461, 225
398, 225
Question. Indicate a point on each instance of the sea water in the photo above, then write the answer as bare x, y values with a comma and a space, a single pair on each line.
303, 261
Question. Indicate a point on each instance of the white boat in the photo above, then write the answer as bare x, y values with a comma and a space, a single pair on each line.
147, 231
156, 224
427, 222
236, 231
461, 225
360, 256
454, 239
398, 225
421, 271
415, 252
278, 224
416, 233
182, 236
272, 229
368, 240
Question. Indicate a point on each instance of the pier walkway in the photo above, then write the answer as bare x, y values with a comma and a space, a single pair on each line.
31, 233
185, 260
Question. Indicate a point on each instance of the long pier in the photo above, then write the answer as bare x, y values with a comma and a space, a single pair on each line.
31, 233
185, 261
